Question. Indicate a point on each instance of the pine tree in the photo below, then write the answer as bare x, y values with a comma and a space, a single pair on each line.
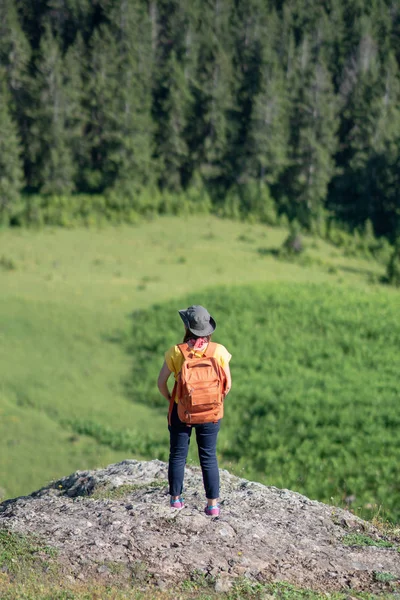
175, 49
49, 140
174, 25
243, 95
68, 18
370, 130
313, 140
267, 138
103, 109
135, 157
260, 93
15, 53
119, 93
213, 92
76, 114
14, 48
172, 145
379, 196
11, 174
393, 266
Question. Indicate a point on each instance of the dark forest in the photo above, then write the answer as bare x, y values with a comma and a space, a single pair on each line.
251, 102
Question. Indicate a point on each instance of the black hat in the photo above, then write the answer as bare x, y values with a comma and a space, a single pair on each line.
198, 320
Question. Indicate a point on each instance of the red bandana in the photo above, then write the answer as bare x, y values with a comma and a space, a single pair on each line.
198, 344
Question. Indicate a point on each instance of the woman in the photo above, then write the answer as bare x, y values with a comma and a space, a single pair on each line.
199, 326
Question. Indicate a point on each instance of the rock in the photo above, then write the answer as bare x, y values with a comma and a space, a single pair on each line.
162, 584
223, 585
263, 534
357, 566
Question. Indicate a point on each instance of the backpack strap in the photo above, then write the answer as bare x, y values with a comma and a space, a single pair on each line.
187, 352
210, 351
211, 348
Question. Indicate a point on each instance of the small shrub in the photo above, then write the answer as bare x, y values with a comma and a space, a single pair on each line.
393, 267
359, 539
383, 250
293, 244
283, 221
139, 572
374, 278
305, 260
198, 199
250, 201
267, 211
333, 270
319, 224
106, 492
246, 588
199, 580
257, 203
384, 577
336, 236
361, 242
210, 236
7, 264
232, 205
18, 552
368, 240
194, 200
350, 243
245, 238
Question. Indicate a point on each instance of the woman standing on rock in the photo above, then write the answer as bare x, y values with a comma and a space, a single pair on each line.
202, 381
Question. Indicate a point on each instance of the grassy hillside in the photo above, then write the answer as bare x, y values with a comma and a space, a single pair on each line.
314, 403
66, 305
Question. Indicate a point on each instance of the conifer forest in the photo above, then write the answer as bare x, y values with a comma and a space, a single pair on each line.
246, 103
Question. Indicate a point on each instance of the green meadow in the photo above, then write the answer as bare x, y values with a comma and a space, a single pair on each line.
86, 314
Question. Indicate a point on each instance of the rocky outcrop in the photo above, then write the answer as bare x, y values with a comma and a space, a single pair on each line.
121, 516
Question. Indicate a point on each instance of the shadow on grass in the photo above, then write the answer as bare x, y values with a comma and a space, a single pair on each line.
356, 270
142, 356
275, 252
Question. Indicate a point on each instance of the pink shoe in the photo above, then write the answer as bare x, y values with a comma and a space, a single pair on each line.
212, 511
177, 504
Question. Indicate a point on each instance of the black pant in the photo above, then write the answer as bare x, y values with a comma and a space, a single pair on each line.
206, 437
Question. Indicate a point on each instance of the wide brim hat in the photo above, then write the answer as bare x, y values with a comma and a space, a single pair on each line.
198, 320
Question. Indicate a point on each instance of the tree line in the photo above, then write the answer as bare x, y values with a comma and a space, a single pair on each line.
249, 100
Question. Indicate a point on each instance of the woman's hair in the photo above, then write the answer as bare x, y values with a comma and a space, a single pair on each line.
192, 336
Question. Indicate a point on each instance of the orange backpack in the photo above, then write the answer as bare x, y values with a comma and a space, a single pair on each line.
201, 386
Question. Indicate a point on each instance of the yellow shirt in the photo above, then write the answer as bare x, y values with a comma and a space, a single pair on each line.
174, 358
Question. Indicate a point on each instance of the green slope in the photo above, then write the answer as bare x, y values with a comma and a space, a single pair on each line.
65, 326
314, 401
